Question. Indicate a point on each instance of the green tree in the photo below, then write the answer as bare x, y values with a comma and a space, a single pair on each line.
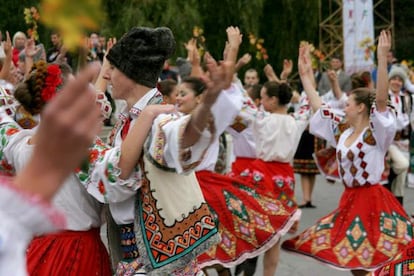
12, 18
179, 16
284, 24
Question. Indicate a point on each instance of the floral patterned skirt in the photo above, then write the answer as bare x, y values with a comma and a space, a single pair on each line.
252, 215
402, 264
366, 231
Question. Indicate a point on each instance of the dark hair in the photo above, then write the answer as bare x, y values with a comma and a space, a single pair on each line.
196, 84
365, 96
254, 91
336, 56
166, 86
29, 92
360, 79
282, 91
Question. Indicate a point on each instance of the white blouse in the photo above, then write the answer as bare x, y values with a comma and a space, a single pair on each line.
277, 136
81, 209
362, 163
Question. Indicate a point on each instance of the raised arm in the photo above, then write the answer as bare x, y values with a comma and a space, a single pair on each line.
307, 78
5, 70
384, 45
132, 145
101, 82
194, 57
245, 59
336, 89
287, 69
270, 73
234, 39
219, 78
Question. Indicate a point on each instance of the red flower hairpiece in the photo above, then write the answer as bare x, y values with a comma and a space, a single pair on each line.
52, 81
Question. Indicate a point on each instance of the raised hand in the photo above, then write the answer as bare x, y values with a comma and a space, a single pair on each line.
234, 37
332, 75
219, 77
245, 59
304, 60
307, 77
30, 48
7, 45
270, 73
287, 69
384, 44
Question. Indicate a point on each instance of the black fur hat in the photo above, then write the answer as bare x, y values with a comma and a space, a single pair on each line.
140, 54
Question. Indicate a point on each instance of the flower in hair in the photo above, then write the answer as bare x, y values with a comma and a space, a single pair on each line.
52, 81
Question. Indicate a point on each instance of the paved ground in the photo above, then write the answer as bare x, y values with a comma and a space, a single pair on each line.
326, 198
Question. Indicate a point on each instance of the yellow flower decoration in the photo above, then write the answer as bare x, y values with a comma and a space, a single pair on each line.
31, 16
72, 18
318, 58
256, 45
369, 47
201, 40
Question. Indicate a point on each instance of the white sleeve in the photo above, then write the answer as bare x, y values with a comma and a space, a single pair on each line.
22, 216
409, 85
383, 125
325, 124
100, 174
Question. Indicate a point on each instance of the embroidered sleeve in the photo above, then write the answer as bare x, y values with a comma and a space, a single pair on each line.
104, 104
383, 126
8, 131
327, 125
100, 174
8, 102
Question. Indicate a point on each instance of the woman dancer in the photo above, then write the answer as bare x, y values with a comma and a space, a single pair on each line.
252, 213
369, 226
25, 199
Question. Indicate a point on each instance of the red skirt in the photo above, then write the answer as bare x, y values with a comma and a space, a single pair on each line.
252, 217
366, 231
402, 264
68, 253
240, 164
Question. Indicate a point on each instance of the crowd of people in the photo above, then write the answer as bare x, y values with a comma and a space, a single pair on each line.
198, 171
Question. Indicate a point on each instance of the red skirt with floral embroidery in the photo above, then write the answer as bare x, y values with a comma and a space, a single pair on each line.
240, 164
402, 264
68, 253
366, 231
252, 214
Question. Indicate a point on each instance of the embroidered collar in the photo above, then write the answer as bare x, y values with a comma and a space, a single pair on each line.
140, 104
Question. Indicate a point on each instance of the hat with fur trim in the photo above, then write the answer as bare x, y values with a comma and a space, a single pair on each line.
140, 54
397, 71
